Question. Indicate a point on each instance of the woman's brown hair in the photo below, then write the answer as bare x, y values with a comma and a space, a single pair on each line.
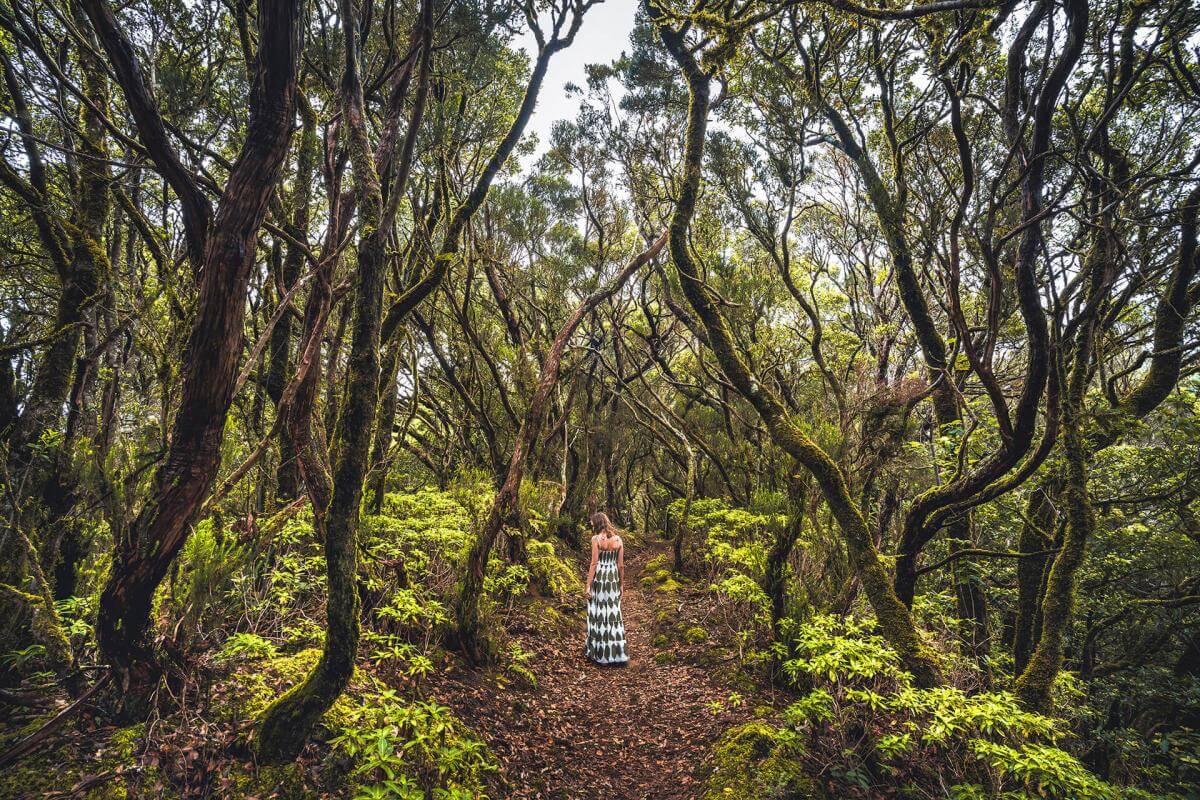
602, 524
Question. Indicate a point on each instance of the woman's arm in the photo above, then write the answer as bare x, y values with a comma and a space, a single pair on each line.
621, 563
592, 568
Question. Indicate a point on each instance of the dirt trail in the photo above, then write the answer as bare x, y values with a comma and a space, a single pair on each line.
637, 732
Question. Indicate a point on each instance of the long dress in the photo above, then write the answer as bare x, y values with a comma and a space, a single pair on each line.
606, 628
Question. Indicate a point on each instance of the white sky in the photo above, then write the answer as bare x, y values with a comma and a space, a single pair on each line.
603, 36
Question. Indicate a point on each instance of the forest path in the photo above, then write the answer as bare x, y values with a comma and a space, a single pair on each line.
637, 732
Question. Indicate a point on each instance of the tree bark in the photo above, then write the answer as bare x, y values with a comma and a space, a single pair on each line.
467, 636
895, 619
286, 723
182, 482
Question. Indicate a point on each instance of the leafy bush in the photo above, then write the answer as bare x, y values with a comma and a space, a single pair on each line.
210, 559
868, 730
550, 573
412, 751
246, 646
733, 544
421, 537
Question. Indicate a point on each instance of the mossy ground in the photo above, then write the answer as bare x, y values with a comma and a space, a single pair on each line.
751, 763
110, 752
203, 747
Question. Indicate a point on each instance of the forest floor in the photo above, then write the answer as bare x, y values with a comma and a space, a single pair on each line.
586, 731
558, 726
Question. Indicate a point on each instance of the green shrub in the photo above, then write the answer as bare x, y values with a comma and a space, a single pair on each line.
411, 751
206, 567
246, 646
866, 727
552, 575
733, 548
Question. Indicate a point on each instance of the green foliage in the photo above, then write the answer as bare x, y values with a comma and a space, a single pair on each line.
517, 662
734, 549
210, 559
507, 581
426, 532
551, 573
411, 751
865, 726
246, 646
406, 610
77, 614
17, 659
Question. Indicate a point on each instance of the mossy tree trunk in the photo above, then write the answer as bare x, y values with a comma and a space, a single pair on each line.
895, 620
1035, 683
287, 723
380, 449
222, 258
467, 635
1016, 458
689, 494
287, 482
775, 574
890, 211
41, 463
1035, 537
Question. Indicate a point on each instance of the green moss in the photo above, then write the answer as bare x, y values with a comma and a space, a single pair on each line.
551, 574
669, 586
286, 782
252, 688
659, 562
125, 742
751, 763
59, 769
695, 635
660, 640
665, 657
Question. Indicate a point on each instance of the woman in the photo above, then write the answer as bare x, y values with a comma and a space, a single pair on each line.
606, 630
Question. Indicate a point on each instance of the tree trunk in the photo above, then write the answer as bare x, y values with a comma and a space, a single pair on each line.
681, 531
383, 433
895, 619
1030, 573
287, 723
467, 635
775, 574
184, 479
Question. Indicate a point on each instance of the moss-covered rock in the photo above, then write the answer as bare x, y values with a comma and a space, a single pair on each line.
750, 762
661, 579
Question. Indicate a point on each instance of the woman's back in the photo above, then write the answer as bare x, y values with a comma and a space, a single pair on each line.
606, 627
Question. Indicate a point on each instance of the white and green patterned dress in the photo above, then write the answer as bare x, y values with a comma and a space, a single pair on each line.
606, 629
